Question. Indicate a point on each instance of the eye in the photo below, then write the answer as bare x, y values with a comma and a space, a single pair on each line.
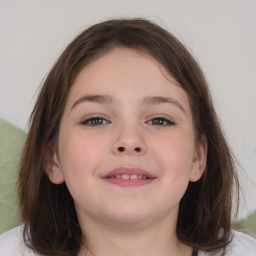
95, 121
160, 121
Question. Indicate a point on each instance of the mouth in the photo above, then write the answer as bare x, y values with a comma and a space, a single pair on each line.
129, 176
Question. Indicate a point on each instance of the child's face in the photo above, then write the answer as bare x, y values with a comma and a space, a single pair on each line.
141, 121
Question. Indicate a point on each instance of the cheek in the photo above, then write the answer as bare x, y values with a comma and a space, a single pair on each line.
79, 152
175, 149
80, 156
174, 154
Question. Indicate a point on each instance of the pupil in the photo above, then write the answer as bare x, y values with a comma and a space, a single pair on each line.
96, 121
158, 121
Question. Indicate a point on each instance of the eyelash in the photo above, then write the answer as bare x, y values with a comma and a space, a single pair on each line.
161, 121
97, 121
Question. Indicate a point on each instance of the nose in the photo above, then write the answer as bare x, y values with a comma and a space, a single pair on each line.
129, 141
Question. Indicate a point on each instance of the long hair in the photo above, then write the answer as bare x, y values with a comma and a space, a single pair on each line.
204, 219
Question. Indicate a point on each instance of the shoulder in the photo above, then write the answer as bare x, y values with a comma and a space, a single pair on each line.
241, 245
12, 244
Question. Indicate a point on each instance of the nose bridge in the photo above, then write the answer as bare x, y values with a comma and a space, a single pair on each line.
129, 139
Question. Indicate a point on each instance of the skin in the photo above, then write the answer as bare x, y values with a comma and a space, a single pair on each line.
155, 136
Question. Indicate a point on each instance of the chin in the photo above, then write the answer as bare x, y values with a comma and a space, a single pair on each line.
129, 216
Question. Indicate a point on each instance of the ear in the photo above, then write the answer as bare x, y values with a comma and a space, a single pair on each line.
199, 160
53, 169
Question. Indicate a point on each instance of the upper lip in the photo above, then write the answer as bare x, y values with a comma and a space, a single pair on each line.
128, 170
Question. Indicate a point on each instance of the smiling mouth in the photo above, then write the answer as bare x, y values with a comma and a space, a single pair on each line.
129, 177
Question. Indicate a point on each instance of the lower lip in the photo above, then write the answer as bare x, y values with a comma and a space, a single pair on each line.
129, 183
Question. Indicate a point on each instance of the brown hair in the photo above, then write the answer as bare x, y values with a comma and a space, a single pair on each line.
52, 228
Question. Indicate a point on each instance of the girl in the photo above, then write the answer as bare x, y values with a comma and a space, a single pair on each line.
125, 154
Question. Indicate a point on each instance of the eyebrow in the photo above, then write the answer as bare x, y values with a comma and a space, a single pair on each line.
102, 99
107, 99
158, 99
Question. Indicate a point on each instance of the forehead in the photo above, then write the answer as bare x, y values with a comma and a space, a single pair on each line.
125, 72
118, 64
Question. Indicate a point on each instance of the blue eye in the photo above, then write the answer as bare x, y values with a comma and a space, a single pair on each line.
160, 121
95, 121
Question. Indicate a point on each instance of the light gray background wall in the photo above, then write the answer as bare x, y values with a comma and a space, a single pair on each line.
220, 33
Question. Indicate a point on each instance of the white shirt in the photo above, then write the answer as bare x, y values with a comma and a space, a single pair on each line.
12, 244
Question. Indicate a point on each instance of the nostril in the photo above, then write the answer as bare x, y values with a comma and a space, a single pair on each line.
121, 149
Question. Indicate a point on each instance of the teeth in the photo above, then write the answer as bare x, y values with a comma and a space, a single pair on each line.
128, 177
125, 177
134, 177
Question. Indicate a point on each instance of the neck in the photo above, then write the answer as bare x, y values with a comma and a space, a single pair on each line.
125, 241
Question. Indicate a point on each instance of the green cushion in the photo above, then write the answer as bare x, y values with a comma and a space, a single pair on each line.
11, 142
248, 225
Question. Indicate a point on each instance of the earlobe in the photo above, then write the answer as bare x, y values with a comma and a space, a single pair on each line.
199, 161
53, 170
